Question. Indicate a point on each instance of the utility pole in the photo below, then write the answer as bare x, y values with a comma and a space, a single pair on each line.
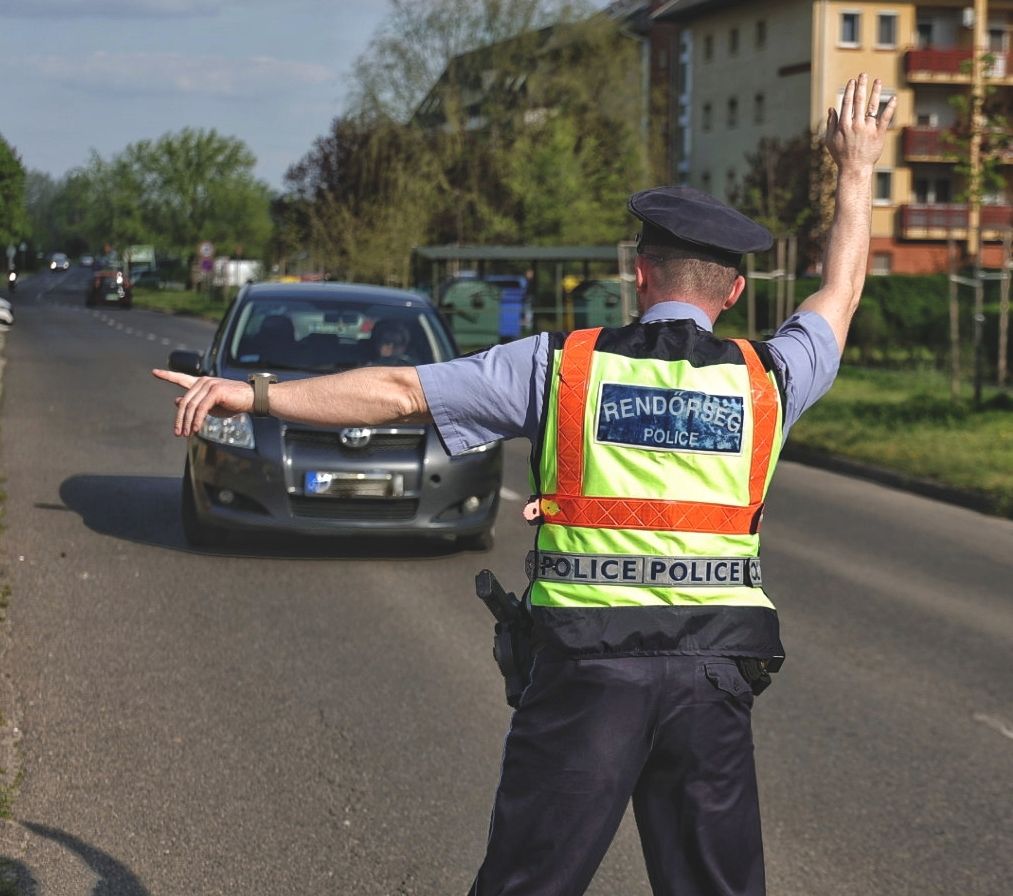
978, 52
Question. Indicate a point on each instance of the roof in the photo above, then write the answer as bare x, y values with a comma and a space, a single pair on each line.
518, 253
679, 9
381, 295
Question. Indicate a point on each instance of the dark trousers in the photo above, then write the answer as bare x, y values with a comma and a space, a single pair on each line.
671, 732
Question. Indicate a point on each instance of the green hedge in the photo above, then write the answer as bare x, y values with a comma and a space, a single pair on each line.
902, 320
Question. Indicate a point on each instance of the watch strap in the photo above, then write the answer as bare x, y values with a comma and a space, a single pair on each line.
260, 382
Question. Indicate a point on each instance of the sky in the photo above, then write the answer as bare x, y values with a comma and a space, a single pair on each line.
83, 75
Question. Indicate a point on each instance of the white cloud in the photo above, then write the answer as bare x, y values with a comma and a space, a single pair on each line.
172, 73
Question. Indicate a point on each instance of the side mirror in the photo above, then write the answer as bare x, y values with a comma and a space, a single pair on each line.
186, 362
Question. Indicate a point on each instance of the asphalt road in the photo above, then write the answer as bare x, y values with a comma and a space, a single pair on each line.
327, 719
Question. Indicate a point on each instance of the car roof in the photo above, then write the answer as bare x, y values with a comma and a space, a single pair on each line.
352, 292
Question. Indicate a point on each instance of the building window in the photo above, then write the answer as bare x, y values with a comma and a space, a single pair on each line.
759, 109
708, 47
886, 30
761, 34
884, 188
882, 264
705, 179
925, 35
733, 113
729, 183
851, 23
706, 117
733, 41
932, 190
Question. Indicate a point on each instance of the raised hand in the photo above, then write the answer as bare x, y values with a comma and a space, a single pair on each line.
855, 137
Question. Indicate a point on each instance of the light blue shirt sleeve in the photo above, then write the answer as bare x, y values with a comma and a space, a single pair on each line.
805, 350
495, 394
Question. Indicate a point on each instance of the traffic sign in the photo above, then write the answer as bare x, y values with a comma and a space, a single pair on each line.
206, 249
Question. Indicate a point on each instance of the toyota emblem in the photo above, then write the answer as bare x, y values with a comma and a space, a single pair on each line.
355, 437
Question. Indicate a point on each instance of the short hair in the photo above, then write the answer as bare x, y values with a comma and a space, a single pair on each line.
692, 271
391, 331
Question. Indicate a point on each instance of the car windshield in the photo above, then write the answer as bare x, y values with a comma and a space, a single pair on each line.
322, 335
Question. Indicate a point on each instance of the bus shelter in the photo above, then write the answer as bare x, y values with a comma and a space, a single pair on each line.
493, 294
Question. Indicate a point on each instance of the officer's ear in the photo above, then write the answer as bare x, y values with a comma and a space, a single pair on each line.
640, 270
734, 292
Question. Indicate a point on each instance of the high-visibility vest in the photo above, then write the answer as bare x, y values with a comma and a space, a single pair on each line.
658, 444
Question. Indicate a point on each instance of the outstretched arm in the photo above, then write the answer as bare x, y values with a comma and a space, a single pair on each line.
855, 140
363, 397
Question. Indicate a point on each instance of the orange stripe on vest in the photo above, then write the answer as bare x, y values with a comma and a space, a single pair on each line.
570, 507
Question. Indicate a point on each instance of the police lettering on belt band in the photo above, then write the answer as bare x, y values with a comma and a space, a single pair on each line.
670, 419
651, 571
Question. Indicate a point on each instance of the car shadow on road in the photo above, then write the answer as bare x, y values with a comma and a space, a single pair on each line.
145, 510
114, 878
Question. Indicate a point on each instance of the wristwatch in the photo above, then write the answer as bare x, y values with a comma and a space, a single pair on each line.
260, 382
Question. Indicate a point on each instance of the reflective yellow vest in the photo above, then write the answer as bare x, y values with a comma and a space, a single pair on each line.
658, 445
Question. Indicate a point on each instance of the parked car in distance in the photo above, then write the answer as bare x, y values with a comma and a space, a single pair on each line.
251, 474
146, 280
87, 261
59, 262
109, 288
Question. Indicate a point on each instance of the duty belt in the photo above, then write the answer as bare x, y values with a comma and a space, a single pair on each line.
644, 570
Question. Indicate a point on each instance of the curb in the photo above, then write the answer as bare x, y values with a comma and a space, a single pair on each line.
927, 488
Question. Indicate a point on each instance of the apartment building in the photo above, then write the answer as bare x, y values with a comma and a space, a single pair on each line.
731, 72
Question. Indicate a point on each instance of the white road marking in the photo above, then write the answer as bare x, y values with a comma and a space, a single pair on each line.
509, 494
995, 723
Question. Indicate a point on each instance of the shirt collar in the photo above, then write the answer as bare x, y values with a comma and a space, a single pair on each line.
677, 311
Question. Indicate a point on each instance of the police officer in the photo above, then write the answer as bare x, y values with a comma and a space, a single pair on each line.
653, 445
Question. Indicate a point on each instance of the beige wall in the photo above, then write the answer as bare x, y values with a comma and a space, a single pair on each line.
742, 75
841, 61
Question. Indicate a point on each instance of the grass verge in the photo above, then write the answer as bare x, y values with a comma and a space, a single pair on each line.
906, 421
170, 301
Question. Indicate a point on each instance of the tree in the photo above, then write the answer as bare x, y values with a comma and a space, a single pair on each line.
507, 132
420, 38
13, 218
788, 188
197, 185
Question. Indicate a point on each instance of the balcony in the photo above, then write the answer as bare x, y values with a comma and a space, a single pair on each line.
945, 221
953, 66
921, 144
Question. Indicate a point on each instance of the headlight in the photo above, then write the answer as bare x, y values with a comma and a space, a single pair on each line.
235, 431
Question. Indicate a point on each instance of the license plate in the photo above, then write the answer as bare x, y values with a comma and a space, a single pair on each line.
112, 296
353, 485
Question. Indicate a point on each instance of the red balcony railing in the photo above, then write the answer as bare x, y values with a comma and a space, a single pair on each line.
929, 143
954, 61
948, 217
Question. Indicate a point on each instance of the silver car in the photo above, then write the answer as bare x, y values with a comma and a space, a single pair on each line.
250, 474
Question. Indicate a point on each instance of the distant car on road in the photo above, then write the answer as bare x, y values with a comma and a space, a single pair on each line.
59, 262
263, 474
109, 288
87, 261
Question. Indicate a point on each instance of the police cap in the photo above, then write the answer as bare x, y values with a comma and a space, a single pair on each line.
686, 218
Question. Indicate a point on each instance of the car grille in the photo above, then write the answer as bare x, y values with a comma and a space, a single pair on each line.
355, 509
379, 441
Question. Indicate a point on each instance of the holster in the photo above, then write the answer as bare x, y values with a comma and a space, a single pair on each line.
511, 646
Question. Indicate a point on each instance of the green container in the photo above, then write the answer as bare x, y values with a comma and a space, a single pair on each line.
597, 303
472, 308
